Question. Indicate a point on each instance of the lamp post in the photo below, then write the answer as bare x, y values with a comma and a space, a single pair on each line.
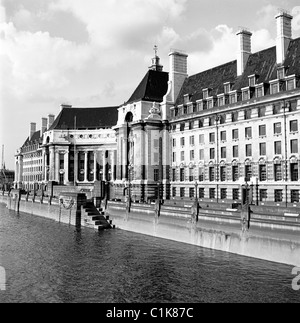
196, 190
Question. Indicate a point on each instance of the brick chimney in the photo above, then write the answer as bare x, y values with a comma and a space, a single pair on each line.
32, 130
44, 125
178, 72
244, 50
51, 119
284, 35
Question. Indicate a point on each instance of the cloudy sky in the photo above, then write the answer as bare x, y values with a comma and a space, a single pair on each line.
93, 53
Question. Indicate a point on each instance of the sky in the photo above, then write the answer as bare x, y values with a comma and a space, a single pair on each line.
92, 53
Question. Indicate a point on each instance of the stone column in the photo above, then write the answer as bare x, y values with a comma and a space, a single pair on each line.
86, 166
113, 161
104, 166
57, 166
52, 163
95, 166
43, 166
66, 166
76, 167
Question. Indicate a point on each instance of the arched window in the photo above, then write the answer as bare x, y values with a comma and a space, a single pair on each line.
129, 117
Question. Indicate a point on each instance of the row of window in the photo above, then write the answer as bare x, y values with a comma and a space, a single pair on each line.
262, 129
212, 193
263, 148
234, 116
233, 173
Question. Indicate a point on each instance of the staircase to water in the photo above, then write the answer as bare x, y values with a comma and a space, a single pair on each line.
96, 218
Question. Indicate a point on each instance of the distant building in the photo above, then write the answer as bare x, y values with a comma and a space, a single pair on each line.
7, 178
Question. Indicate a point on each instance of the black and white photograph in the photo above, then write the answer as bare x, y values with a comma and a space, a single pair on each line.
149, 154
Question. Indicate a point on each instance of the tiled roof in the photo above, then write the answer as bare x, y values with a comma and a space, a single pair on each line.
35, 138
213, 78
86, 118
153, 87
263, 63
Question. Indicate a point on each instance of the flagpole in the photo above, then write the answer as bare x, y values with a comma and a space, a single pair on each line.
75, 168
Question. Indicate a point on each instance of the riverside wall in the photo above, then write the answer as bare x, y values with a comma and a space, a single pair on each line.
217, 230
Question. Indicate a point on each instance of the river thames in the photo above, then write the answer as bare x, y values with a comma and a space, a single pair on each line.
47, 262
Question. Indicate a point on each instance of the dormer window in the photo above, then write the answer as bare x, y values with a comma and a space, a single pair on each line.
259, 91
227, 87
291, 83
207, 93
281, 72
274, 87
221, 101
186, 98
252, 80
246, 94
233, 97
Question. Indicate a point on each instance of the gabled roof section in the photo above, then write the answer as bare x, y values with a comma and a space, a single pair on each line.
153, 87
292, 61
263, 64
35, 138
213, 78
86, 118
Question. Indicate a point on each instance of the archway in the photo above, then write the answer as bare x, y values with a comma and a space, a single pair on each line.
129, 117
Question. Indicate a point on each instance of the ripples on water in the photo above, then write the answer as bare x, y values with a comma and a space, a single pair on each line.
50, 262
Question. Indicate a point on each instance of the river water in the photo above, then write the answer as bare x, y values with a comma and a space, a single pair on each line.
50, 262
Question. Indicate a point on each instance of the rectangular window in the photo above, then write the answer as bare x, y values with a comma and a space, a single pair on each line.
223, 136
294, 172
212, 153
156, 175
211, 174
174, 193
212, 138
252, 81
192, 193
246, 95
277, 128
259, 92
235, 173
248, 133
294, 126
274, 88
234, 116
235, 194
174, 143
212, 193
276, 109
295, 196
192, 141
223, 174
235, 134
248, 114
263, 195
223, 153
248, 172
223, 194
201, 123
232, 98
201, 139
191, 174
182, 175
278, 173
262, 112
262, 131
191, 125
220, 101
182, 192
248, 150
182, 141
278, 196
182, 126
294, 146
174, 157
174, 177
192, 155
278, 148
182, 156
201, 193
262, 173
201, 174
263, 149
201, 154
235, 152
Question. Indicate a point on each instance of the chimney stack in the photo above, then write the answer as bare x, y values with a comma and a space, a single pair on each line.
32, 130
44, 125
51, 118
244, 50
178, 72
284, 34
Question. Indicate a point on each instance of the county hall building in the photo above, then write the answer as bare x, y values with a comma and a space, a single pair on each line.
227, 135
